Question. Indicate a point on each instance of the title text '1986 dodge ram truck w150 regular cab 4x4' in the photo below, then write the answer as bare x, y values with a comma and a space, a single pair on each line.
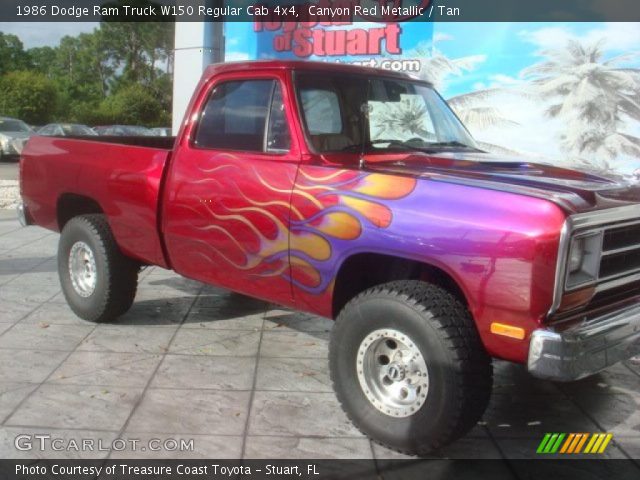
295, 182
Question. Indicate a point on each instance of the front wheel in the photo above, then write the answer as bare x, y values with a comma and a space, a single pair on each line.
408, 366
97, 280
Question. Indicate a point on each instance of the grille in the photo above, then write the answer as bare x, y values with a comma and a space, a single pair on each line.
617, 294
620, 252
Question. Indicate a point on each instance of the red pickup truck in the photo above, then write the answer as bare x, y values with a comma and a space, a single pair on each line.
356, 194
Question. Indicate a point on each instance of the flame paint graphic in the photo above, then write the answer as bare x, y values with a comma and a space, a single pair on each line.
256, 216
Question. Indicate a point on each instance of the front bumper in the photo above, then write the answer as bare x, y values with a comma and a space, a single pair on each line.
587, 348
23, 215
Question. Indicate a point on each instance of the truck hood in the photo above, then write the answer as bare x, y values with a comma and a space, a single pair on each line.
573, 190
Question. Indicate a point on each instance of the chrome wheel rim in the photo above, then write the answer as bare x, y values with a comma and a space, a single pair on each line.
82, 269
392, 373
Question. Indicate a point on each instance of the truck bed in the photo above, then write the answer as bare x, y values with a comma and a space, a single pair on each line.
121, 174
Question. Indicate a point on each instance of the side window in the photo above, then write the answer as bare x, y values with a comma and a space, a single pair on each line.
321, 111
278, 139
235, 116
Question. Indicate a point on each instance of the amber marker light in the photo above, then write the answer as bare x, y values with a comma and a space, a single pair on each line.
507, 331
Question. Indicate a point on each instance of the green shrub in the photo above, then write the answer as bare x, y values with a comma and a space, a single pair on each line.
132, 105
29, 96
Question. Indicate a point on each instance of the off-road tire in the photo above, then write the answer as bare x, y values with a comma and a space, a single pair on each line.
460, 371
117, 275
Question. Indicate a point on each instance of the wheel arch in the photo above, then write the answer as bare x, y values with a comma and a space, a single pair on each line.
364, 270
70, 205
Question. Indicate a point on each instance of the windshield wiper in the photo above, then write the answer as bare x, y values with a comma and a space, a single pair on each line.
392, 143
428, 147
399, 144
453, 143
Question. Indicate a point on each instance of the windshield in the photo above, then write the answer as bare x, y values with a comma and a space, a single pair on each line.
7, 125
352, 112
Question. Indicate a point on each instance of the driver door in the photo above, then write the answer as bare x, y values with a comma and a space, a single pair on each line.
227, 215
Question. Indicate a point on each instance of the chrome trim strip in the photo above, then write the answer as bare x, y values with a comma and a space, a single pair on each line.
625, 274
625, 224
615, 251
618, 282
561, 265
601, 217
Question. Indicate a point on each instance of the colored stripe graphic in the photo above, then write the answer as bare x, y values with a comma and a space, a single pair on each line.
600, 442
594, 443
543, 443
581, 443
551, 443
567, 443
556, 446
573, 443
605, 443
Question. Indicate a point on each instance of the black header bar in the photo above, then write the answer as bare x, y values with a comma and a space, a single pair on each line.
421, 469
319, 11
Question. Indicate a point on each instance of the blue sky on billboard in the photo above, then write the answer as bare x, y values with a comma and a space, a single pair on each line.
508, 48
499, 51
484, 70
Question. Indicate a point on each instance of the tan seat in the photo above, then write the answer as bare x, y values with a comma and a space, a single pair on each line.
331, 142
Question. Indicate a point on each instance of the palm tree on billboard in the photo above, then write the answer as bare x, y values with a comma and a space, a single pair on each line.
473, 108
594, 96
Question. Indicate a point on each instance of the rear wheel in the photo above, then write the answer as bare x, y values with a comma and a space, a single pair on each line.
408, 366
98, 281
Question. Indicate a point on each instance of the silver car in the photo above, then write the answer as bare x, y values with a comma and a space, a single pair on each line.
13, 136
161, 132
66, 130
123, 131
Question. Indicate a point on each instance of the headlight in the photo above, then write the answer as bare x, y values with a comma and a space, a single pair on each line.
4, 143
584, 259
576, 256
18, 144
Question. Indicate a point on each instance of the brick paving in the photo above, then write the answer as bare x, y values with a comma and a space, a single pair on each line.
240, 377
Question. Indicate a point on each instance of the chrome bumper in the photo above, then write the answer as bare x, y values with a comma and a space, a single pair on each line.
587, 348
23, 218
